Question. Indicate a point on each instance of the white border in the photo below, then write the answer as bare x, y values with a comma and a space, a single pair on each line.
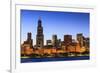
16, 66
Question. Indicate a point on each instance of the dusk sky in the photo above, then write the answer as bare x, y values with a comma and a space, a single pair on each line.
59, 23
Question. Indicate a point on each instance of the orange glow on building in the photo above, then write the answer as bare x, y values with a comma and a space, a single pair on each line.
26, 50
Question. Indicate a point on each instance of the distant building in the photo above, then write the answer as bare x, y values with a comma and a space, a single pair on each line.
87, 43
48, 42
54, 41
40, 35
67, 40
78, 48
27, 46
26, 50
59, 43
63, 46
29, 40
80, 39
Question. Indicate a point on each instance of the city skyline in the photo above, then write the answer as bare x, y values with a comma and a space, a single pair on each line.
59, 23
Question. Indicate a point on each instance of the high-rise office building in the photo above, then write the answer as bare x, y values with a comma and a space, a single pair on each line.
80, 39
29, 39
39, 36
87, 43
67, 39
54, 41
59, 43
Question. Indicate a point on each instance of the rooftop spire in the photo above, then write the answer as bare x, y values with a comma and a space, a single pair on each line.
39, 22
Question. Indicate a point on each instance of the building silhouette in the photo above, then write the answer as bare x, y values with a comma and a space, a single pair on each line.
40, 35
67, 40
59, 43
86, 43
54, 41
29, 40
80, 39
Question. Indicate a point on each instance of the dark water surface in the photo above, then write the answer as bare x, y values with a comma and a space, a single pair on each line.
29, 60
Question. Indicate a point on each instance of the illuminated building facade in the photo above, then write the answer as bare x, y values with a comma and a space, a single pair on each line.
80, 39
67, 39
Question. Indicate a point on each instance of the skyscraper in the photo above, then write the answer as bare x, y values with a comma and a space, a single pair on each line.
86, 43
29, 39
67, 39
54, 41
80, 39
39, 36
59, 43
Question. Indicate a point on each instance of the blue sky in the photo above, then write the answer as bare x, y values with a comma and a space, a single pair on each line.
59, 23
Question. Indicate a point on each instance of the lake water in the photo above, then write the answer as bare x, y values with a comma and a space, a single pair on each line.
31, 60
